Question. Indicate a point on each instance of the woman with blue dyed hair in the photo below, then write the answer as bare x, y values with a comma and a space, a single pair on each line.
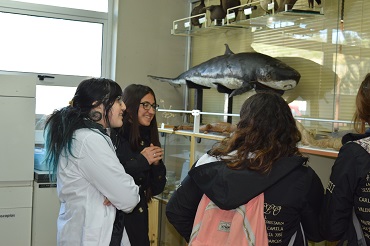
91, 182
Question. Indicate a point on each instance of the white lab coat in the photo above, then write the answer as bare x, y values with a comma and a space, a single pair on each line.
83, 182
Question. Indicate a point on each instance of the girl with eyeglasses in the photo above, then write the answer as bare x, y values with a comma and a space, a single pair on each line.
140, 153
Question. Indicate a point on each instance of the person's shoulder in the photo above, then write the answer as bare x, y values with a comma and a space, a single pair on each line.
205, 159
355, 154
356, 147
291, 163
350, 137
88, 134
300, 165
85, 132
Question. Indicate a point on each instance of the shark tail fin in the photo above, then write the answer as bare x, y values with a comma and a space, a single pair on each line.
163, 79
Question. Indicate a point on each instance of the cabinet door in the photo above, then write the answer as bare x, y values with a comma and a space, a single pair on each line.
45, 211
153, 222
180, 151
15, 215
17, 110
176, 158
17, 138
168, 236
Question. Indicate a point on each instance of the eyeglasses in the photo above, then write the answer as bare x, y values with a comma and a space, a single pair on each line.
147, 105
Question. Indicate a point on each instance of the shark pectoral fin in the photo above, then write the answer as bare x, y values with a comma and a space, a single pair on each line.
223, 89
195, 86
241, 90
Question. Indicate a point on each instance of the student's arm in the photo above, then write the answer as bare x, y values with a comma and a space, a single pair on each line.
338, 202
102, 169
157, 178
312, 207
182, 207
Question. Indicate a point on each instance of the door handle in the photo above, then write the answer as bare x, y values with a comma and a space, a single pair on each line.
42, 77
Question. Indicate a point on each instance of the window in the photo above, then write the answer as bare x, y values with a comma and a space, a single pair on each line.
65, 41
94, 5
49, 45
46, 101
70, 38
49, 98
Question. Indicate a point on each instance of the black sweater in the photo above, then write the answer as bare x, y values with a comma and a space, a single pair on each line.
150, 178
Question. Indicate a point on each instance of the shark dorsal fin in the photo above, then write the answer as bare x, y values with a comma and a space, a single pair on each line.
228, 51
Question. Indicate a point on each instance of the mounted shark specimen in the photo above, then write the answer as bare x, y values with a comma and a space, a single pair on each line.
236, 74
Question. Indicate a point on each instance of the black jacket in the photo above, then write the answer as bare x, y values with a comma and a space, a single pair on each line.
293, 195
348, 188
150, 178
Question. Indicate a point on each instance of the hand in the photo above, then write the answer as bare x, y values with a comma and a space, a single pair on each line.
153, 154
107, 202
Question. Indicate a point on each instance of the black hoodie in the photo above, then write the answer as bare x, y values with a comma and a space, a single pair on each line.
293, 196
348, 188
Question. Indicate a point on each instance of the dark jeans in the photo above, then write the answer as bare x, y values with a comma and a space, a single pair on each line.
117, 229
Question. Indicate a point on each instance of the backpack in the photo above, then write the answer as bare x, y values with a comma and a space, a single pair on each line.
243, 226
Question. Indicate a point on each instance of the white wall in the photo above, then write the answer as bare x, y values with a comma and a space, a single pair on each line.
145, 46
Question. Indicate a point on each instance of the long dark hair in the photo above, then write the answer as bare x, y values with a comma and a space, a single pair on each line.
266, 132
362, 114
132, 96
62, 123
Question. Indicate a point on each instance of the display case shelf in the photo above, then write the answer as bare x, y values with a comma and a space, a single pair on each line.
195, 134
248, 18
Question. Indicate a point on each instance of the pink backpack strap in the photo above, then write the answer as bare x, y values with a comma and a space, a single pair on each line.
254, 225
204, 202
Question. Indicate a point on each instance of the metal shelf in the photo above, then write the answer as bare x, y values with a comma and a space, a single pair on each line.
249, 18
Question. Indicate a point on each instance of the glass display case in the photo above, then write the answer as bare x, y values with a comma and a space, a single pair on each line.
177, 159
328, 44
181, 149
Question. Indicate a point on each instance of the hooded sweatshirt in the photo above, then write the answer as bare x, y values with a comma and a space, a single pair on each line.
293, 196
348, 189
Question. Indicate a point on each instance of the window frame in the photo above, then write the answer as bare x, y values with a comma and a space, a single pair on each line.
106, 19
